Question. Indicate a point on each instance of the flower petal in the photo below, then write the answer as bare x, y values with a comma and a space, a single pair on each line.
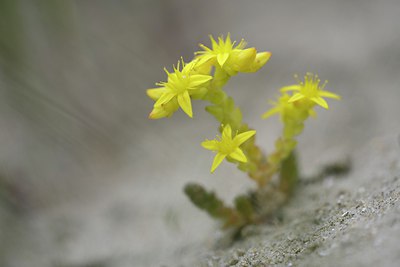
204, 59
164, 98
165, 110
295, 97
198, 79
155, 93
210, 145
294, 87
271, 112
329, 94
217, 160
157, 113
243, 137
214, 44
185, 103
320, 101
221, 58
228, 42
238, 155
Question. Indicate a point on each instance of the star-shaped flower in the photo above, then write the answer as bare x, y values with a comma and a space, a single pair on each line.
227, 146
289, 110
311, 90
180, 87
283, 106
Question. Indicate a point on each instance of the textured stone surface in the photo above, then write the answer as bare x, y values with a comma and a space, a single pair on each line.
339, 221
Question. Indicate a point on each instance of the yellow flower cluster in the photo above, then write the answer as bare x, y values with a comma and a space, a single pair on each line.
231, 58
295, 109
203, 78
194, 80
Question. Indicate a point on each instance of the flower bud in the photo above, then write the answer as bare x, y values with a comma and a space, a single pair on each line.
245, 59
260, 60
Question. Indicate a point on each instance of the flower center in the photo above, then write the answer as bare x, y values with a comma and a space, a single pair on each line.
310, 87
227, 146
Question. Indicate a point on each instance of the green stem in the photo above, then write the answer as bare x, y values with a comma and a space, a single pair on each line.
215, 207
289, 174
223, 108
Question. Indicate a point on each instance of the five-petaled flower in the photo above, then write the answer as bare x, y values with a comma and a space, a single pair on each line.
311, 90
282, 107
180, 87
289, 110
227, 146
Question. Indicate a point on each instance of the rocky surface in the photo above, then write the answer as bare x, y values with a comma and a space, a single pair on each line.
352, 220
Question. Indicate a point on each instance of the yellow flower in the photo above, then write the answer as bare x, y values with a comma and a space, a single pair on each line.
311, 90
289, 110
283, 106
231, 58
180, 87
227, 146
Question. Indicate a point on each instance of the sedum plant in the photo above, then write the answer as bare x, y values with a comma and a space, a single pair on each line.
204, 78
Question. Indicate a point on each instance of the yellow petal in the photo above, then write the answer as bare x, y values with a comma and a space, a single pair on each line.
243, 137
294, 87
320, 101
296, 97
210, 145
270, 112
207, 60
238, 155
165, 98
227, 132
221, 41
158, 113
185, 103
329, 95
155, 93
203, 65
197, 79
221, 58
165, 110
217, 160
213, 43
228, 41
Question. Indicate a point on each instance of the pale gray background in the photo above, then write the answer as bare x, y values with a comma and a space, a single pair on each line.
92, 178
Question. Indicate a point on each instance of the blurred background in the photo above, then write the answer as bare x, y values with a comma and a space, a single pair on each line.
86, 178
